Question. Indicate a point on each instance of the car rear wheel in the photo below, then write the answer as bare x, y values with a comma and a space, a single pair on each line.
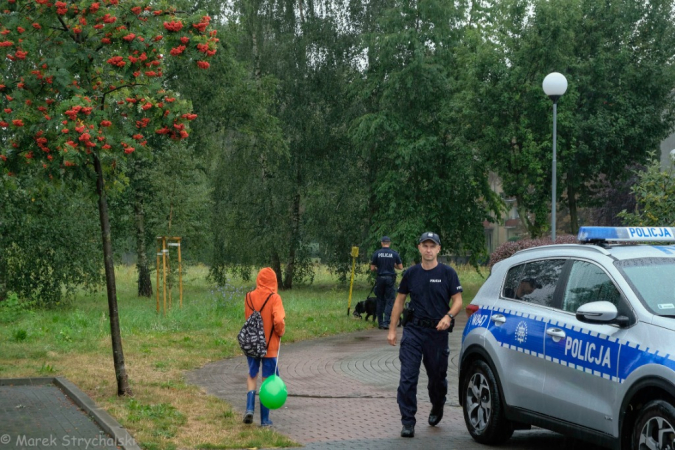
655, 427
483, 408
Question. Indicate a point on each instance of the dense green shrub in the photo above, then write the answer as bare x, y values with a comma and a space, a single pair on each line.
49, 242
654, 195
12, 307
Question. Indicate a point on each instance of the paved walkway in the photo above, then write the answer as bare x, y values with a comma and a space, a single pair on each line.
342, 395
48, 413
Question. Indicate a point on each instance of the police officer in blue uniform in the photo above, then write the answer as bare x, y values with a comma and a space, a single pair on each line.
385, 260
435, 298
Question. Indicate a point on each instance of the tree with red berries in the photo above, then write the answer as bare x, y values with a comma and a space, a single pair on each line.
82, 88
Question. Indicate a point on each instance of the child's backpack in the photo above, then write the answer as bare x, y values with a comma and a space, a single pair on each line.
252, 335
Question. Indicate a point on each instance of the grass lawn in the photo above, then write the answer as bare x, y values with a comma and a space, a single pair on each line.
165, 412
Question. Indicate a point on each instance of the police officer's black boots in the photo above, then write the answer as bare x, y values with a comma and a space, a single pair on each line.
435, 415
408, 431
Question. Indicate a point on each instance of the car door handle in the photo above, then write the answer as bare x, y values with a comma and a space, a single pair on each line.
498, 319
556, 333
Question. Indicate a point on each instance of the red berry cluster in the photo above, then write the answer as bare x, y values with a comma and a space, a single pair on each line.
100, 100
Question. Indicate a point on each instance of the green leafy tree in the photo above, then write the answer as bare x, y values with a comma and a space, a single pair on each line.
82, 91
166, 195
47, 241
146, 213
654, 197
238, 146
182, 206
617, 57
424, 170
301, 48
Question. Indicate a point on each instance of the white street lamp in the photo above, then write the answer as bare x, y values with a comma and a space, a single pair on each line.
555, 85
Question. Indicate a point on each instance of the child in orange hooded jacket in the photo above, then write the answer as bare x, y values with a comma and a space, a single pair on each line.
273, 316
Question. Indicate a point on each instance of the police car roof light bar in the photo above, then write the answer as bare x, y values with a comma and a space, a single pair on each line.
626, 234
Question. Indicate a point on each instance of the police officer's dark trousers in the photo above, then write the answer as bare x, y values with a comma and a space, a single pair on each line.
386, 294
431, 347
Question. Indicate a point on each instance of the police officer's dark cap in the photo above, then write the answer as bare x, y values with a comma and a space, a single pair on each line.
385, 239
429, 236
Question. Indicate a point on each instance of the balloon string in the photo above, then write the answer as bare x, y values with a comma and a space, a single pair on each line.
276, 367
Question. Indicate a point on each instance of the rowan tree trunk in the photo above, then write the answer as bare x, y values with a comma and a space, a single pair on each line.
118, 354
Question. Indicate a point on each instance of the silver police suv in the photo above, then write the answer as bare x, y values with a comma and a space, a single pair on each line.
576, 338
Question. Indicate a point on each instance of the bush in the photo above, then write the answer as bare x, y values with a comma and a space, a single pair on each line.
49, 243
507, 249
19, 335
654, 195
12, 307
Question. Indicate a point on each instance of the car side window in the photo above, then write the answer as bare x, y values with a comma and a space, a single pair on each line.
534, 282
588, 283
512, 279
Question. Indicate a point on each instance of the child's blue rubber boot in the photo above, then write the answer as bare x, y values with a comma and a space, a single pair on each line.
250, 407
265, 416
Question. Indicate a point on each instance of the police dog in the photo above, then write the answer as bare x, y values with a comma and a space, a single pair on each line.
367, 306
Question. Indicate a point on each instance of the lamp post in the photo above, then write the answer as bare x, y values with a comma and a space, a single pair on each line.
555, 85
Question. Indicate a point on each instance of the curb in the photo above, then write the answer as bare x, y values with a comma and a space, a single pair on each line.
104, 420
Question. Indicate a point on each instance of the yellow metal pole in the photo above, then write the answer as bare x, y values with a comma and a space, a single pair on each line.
157, 270
180, 270
164, 251
355, 254
168, 269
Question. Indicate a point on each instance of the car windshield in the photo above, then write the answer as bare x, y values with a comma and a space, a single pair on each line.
653, 280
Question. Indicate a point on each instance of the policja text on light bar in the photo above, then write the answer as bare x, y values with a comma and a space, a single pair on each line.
651, 234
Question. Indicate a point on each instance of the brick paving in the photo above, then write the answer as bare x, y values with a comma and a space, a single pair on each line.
43, 417
342, 395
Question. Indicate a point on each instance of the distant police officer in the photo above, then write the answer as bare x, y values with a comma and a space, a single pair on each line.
432, 287
385, 260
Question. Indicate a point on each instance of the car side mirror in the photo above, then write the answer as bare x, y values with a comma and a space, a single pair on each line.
598, 312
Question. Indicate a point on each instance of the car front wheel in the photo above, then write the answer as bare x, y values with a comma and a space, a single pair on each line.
483, 408
655, 427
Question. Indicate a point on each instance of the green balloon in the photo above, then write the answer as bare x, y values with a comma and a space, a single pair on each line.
273, 392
